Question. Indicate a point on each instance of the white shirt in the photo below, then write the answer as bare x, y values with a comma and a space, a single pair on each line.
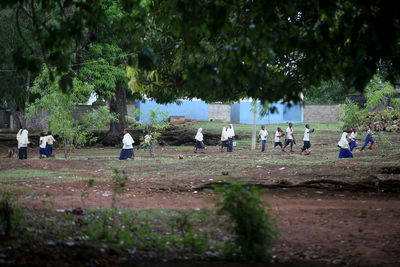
224, 135
263, 134
22, 138
278, 136
231, 132
306, 135
128, 141
43, 141
369, 132
50, 139
289, 133
343, 141
147, 138
353, 136
199, 135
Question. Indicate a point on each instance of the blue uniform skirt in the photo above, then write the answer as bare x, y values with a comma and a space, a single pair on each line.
23, 153
126, 153
199, 144
49, 150
42, 151
353, 144
345, 153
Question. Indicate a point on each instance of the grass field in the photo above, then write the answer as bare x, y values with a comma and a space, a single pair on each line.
163, 191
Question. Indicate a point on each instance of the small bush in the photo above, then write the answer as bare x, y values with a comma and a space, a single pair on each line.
249, 221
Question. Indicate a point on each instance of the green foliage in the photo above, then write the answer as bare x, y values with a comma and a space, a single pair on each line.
252, 226
90, 182
10, 217
379, 92
61, 106
330, 92
352, 115
155, 121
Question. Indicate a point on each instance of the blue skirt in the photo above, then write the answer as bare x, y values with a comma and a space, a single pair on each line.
126, 153
42, 151
49, 150
199, 144
353, 144
345, 153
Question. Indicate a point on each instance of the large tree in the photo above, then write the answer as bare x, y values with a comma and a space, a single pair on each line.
222, 50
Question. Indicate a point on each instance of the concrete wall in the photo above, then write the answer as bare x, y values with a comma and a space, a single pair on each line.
321, 113
220, 112
39, 122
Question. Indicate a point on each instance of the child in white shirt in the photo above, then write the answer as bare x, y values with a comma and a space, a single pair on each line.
263, 135
306, 139
278, 138
42, 145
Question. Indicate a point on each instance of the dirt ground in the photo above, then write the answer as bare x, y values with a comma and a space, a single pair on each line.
316, 226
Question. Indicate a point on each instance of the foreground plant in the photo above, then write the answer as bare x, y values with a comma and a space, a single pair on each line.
249, 221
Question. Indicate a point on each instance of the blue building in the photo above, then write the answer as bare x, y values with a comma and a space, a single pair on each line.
239, 112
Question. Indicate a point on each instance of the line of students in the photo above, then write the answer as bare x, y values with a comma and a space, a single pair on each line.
45, 144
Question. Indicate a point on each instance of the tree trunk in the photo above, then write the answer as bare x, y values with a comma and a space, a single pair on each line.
118, 106
16, 119
253, 136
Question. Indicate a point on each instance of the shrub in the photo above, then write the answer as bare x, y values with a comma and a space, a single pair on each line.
249, 221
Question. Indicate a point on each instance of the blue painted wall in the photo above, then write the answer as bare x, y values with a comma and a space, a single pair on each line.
281, 114
193, 110
235, 113
240, 111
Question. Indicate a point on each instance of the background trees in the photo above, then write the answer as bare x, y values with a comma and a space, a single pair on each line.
214, 50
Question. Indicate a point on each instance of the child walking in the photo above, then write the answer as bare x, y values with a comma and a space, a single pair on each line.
199, 141
306, 138
49, 146
147, 143
22, 138
278, 138
263, 135
42, 145
289, 137
352, 139
127, 149
224, 139
231, 134
344, 146
368, 139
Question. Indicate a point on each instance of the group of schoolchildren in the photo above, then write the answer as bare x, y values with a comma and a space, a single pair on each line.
347, 145
127, 149
45, 144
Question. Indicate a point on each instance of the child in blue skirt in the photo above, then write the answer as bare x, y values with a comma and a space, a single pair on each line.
22, 138
231, 134
352, 139
224, 139
49, 146
199, 141
368, 139
127, 149
42, 146
344, 146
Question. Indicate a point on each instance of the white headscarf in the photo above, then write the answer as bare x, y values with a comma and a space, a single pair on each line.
231, 131
22, 137
224, 134
128, 141
199, 135
343, 141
